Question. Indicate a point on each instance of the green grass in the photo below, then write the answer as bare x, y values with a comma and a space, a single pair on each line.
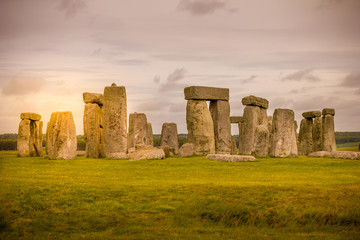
179, 198
351, 146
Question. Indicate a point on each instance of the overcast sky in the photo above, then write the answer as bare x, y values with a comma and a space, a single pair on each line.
302, 55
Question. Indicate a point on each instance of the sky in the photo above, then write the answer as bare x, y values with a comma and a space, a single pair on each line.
302, 55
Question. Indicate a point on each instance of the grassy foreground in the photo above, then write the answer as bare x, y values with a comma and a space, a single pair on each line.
179, 198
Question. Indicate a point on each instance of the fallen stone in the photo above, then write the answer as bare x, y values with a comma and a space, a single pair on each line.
319, 154
61, 142
220, 113
115, 120
30, 116
169, 136
311, 114
206, 93
262, 141
200, 127
147, 153
284, 142
230, 158
328, 111
186, 150
149, 135
169, 151
255, 101
80, 153
118, 155
97, 98
235, 119
344, 154
137, 130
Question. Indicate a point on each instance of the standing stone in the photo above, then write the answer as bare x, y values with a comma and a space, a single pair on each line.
306, 145
283, 134
220, 112
137, 130
169, 136
23, 139
200, 127
263, 118
262, 141
115, 120
250, 122
294, 140
36, 138
92, 129
317, 134
61, 136
234, 148
328, 131
149, 135
241, 127
270, 123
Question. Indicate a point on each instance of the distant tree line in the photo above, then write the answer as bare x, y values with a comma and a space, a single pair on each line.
8, 140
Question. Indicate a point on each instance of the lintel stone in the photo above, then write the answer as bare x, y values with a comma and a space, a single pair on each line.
328, 111
311, 114
255, 101
30, 116
235, 119
206, 93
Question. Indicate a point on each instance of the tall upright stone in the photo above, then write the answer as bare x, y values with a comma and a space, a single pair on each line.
92, 115
328, 130
137, 130
283, 134
169, 136
61, 142
29, 142
317, 134
251, 118
149, 135
220, 112
262, 141
306, 145
241, 139
115, 120
200, 127
234, 148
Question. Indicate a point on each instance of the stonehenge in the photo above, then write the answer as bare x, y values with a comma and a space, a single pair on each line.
169, 136
61, 142
137, 136
209, 130
30, 137
317, 133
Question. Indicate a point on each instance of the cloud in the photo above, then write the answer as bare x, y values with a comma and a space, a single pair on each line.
152, 106
71, 7
352, 81
22, 84
173, 79
202, 7
250, 79
302, 75
156, 79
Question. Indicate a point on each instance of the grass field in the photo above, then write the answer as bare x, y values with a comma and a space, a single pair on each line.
351, 146
179, 198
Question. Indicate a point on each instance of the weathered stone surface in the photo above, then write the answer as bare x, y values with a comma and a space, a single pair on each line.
220, 113
115, 120
97, 98
36, 138
23, 139
137, 130
206, 93
169, 136
92, 133
262, 141
328, 111
294, 138
250, 122
169, 151
317, 134
284, 143
306, 144
241, 127
319, 154
235, 119
200, 127
255, 101
328, 131
149, 135
148, 153
118, 155
311, 114
186, 150
61, 140
234, 148
270, 123
30, 116
230, 158
263, 117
